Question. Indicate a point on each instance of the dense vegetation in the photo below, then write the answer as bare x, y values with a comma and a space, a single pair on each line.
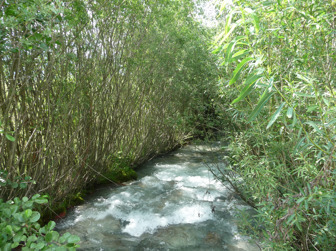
278, 92
89, 89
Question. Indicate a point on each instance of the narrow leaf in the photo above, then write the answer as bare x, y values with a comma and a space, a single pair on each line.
256, 22
294, 120
300, 200
290, 219
228, 33
263, 100
248, 87
304, 95
231, 47
312, 124
298, 145
238, 53
312, 108
304, 78
326, 101
331, 122
238, 69
290, 112
229, 52
215, 51
228, 22
275, 115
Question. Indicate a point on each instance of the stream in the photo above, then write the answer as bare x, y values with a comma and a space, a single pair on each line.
176, 204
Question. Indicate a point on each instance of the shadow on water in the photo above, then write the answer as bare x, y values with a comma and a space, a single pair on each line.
175, 205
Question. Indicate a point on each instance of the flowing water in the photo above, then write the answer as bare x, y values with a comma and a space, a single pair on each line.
174, 205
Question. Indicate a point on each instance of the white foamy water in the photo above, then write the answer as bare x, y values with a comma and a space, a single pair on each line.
176, 204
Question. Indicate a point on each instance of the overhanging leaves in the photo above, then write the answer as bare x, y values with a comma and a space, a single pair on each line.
275, 115
248, 87
238, 69
262, 101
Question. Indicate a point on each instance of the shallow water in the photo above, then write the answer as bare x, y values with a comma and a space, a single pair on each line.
175, 205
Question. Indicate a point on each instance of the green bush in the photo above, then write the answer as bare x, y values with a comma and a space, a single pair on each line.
278, 86
119, 169
19, 222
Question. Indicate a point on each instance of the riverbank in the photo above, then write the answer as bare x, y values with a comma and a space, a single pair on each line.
120, 174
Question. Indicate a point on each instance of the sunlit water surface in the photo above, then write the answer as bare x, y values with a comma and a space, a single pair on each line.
175, 205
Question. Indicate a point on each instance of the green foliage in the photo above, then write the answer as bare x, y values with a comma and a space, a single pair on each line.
16, 183
19, 227
7, 134
282, 95
24, 24
118, 174
119, 170
81, 81
84, 80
